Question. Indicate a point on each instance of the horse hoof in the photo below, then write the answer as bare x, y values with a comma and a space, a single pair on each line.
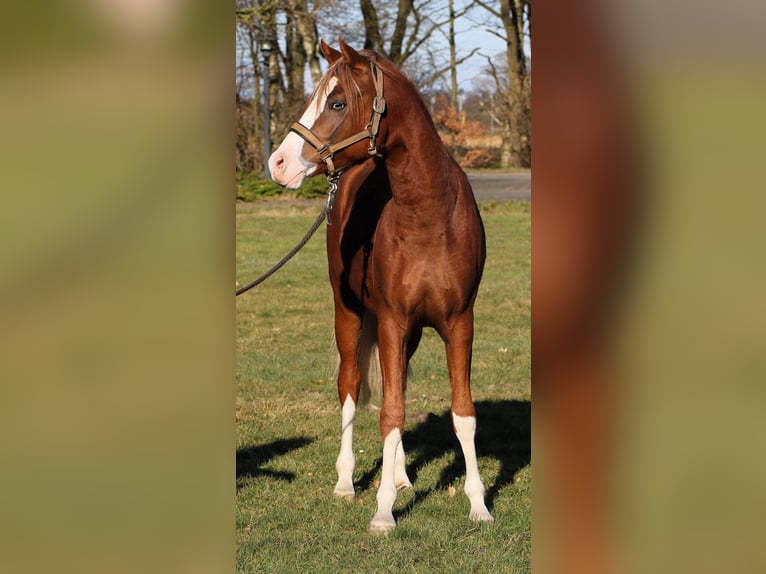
380, 527
344, 493
481, 516
403, 484
382, 522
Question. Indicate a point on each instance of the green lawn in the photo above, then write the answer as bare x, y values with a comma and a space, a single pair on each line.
288, 418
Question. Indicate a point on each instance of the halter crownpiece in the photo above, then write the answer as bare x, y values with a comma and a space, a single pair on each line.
327, 151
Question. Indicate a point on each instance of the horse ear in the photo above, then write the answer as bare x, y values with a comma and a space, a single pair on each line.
330, 54
352, 56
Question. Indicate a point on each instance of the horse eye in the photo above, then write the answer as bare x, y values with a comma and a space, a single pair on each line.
337, 106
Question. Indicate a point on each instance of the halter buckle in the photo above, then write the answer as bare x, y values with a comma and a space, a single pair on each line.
325, 153
379, 105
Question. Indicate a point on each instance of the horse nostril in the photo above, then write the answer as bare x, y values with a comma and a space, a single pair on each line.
279, 162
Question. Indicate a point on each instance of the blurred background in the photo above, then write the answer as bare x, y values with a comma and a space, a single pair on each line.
647, 308
116, 287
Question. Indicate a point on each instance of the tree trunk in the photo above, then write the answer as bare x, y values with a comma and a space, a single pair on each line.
400, 29
292, 89
372, 38
452, 56
255, 137
506, 146
305, 25
510, 13
514, 57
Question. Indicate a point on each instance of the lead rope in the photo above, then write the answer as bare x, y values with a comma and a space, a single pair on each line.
332, 181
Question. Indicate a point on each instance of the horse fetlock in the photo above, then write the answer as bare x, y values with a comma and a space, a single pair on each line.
385, 497
345, 485
474, 488
345, 464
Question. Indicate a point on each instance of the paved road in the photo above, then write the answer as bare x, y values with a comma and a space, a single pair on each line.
500, 186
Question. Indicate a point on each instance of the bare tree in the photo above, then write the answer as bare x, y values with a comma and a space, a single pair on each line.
512, 80
291, 30
415, 24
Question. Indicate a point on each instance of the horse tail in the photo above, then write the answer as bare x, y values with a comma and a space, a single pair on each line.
371, 389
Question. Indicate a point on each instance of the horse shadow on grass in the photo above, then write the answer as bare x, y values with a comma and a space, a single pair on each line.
250, 460
503, 433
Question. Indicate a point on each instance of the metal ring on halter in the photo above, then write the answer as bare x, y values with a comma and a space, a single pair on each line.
332, 188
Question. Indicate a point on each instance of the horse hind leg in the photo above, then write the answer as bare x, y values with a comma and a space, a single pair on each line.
401, 480
346, 462
459, 347
465, 429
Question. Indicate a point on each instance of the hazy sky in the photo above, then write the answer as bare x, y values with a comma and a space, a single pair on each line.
468, 38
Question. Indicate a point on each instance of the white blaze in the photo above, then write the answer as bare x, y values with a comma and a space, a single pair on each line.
287, 165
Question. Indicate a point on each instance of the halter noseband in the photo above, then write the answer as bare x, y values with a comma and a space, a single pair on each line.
327, 151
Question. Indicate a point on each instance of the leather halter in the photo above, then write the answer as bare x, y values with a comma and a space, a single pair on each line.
327, 151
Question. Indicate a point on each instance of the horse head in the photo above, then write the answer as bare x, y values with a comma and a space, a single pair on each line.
341, 124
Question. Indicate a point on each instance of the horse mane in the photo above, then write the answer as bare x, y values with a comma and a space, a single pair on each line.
390, 70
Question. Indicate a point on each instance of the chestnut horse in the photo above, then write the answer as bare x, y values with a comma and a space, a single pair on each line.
405, 248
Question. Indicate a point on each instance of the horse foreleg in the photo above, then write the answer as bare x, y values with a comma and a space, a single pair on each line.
347, 328
459, 342
393, 363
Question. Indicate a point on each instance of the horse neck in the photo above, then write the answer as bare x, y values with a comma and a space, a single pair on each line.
423, 175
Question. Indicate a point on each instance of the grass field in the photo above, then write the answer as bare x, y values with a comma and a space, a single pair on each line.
288, 418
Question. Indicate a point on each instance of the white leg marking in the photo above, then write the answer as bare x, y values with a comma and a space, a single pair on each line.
465, 429
401, 480
346, 461
286, 164
383, 521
